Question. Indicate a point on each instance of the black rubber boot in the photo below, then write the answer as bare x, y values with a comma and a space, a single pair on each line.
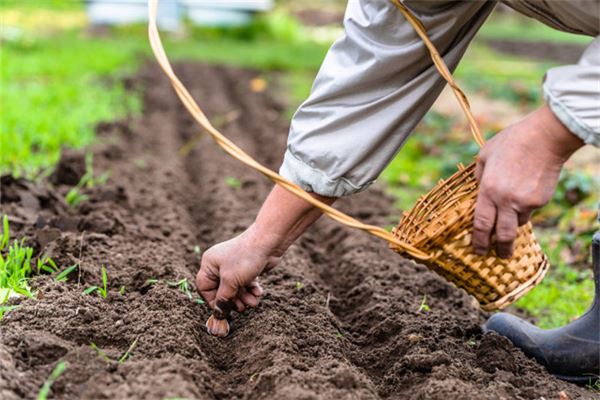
571, 353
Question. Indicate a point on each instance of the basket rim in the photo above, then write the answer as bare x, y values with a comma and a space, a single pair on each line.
520, 290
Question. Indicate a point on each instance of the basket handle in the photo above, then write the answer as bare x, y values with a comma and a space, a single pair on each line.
442, 68
233, 150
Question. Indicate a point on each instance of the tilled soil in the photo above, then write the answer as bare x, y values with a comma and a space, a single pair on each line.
341, 317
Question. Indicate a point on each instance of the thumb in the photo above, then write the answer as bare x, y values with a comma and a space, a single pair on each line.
224, 300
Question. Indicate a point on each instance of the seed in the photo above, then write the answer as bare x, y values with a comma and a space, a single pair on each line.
217, 327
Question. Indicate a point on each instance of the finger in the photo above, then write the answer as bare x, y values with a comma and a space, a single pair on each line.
506, 231
255, 288
483, 223
239, 305
248, 298
479, 166
224, 299
207, 284
524, 218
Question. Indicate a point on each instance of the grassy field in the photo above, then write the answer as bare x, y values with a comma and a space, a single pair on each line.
59, 81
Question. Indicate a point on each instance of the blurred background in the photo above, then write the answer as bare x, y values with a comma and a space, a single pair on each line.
65, 63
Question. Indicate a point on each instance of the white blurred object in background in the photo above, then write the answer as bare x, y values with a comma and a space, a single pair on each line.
171, 12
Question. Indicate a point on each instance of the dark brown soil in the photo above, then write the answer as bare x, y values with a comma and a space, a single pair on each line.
351, 329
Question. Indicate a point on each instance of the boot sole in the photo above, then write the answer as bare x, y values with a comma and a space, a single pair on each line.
580, 380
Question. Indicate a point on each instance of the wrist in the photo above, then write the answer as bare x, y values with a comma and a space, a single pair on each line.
561, 142
265, 240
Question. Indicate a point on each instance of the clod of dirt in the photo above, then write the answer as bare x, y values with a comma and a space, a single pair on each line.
70, 168
496, 353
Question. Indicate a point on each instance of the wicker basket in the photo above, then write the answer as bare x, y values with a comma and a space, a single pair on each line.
440, 224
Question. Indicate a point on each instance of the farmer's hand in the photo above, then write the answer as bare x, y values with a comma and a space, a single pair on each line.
518, 170
229, 270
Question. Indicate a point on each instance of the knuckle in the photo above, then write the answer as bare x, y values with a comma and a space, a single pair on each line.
482, 223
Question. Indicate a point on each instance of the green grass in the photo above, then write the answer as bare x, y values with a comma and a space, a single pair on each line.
15, 266
520, 28
58, 370
54, 91
103, 288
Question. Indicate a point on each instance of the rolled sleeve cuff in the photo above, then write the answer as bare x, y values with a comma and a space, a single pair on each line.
573, 124
314, 180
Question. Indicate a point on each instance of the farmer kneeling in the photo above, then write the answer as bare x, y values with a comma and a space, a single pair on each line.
374, 86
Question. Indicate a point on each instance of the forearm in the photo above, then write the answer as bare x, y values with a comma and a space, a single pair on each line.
282, 218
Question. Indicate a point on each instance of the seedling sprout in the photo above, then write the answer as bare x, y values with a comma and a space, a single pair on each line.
103, 290
424, 306
54, 375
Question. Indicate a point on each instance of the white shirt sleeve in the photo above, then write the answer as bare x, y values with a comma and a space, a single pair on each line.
573, 94
375, 84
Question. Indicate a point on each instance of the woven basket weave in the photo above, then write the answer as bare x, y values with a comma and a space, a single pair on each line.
437, 231
440, 224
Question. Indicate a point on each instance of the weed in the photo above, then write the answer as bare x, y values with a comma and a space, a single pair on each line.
339, 335
74, 197
197, 250
198, 300
233, 182
183, 286
15, 267
5, 309
594, 384
127, 354
424, 306
140, 163
100, 352
124, 357
103, 290
62, 276
299, 285
46, 264
122, 290
152, 281
54, 375
5, 233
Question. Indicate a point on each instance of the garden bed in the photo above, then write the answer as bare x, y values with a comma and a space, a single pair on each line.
342, 317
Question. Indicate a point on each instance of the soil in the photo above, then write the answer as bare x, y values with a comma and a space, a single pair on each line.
350, 329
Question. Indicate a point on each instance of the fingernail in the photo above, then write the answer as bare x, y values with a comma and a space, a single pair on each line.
480, 251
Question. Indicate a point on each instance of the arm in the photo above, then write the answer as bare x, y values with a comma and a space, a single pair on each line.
225, 277
519, 168
375, 85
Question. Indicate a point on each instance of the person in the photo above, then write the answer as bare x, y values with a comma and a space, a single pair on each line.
374, 86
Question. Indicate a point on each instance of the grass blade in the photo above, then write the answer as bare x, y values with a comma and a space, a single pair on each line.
54, 375
62, 276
